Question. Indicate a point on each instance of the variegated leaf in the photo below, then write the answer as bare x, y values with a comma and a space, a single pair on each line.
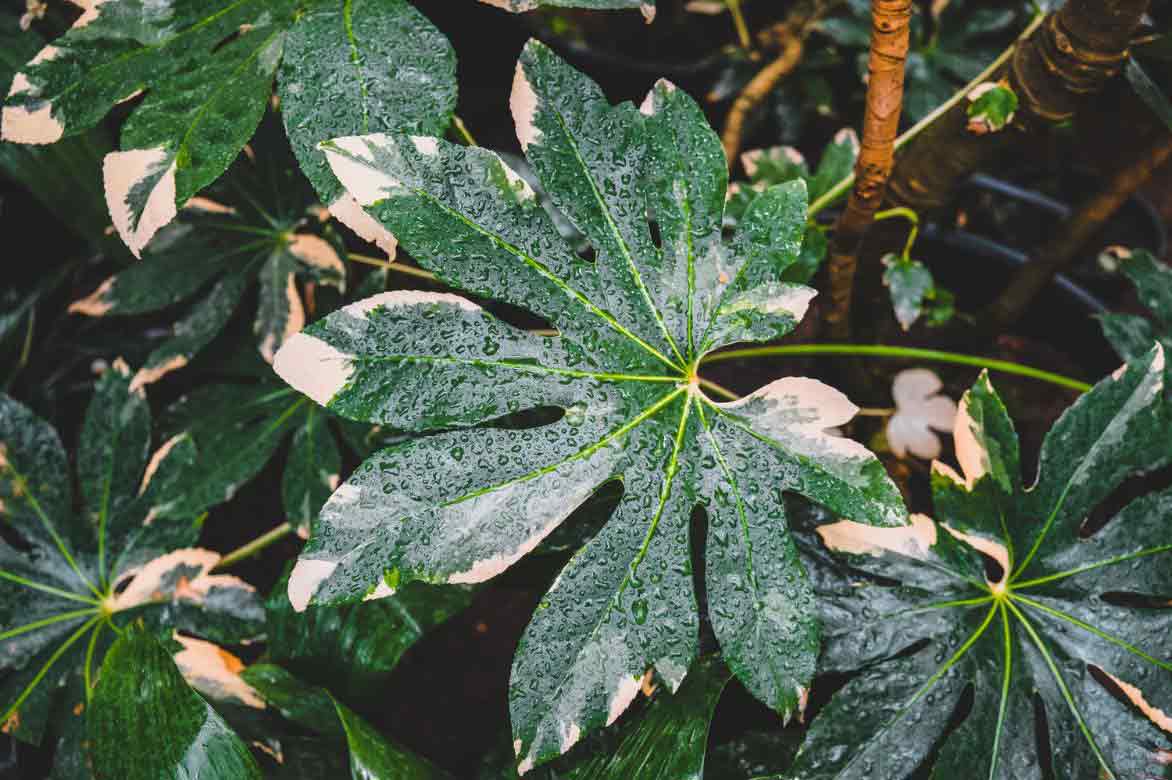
633, 326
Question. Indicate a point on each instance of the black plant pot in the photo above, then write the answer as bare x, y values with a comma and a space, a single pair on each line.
977, 262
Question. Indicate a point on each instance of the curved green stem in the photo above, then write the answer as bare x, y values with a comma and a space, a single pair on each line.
843, 186
904, 353
912, 217
255, 546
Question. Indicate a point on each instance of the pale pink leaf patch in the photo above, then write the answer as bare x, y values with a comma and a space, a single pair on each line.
919, 411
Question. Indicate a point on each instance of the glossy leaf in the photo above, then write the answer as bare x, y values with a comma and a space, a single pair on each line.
377, 65
633, 325
176, 734
910, 284
916, 616
67, 576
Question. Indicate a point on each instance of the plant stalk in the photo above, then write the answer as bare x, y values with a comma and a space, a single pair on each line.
258, 544
903, 353
889, 46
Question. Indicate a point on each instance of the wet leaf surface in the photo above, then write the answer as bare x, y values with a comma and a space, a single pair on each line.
1006, 595
465, 502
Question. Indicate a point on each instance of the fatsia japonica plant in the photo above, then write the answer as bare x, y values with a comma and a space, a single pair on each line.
557, 482
462, 506
73, 579
1016, 596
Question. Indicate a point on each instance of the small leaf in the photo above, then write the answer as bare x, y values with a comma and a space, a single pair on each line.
910, 283
176, 733
991, 108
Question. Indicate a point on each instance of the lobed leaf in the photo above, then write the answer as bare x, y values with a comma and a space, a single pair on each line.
620, 377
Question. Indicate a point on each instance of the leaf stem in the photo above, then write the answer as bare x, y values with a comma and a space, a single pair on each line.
843, 185
462, 129
738, 17
912, 217
916, 353
258, 544
708, 384
392, 266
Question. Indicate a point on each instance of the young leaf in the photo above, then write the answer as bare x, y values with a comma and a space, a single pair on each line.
913, 616
1132, 336
779, 164
66, 577
919, 410
632, 327
991, 108
910, 283
378, 66
146, 723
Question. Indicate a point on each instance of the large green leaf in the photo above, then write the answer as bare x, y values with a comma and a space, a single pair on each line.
1131, 335
207, 69
68, 576
147, 724
462, 505
1072, 623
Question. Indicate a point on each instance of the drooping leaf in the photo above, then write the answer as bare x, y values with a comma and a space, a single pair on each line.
353, 649
377, 65
371, 756
647, 7
1130, 335
146, 723
916, 616
632, 327
67, 576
